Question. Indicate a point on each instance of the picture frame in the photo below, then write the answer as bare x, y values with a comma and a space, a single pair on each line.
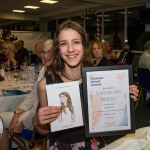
108, 106
67, 96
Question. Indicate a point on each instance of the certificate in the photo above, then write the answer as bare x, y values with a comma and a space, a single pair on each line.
107, 100
66, 95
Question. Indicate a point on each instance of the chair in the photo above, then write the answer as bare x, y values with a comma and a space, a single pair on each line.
143, 74
27, 138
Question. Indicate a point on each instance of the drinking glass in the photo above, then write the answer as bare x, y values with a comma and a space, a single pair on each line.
8, 67
2, 69
15, 66
25, 78
16, 76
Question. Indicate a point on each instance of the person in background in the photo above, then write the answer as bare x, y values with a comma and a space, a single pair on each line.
7, 36
69, 55
1, 45
10, 57
145, 57
36, 55
1, 50
110, 54
23, 51
21, 118
17, 45
144, 61
97, 53
126, 56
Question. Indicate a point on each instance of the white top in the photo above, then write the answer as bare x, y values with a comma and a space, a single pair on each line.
145, 58
30, 103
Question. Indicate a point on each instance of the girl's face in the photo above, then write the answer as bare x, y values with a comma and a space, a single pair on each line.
63, 99
71, 48
97, 51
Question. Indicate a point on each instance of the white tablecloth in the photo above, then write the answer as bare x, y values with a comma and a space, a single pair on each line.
10, 103
140, 137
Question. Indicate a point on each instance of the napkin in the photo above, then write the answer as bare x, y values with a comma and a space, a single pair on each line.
14, 92
133, 144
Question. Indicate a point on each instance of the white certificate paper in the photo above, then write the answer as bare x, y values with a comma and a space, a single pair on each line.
108, 100
66, 95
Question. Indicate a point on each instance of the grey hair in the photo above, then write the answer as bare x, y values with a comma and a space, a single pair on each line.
147, 45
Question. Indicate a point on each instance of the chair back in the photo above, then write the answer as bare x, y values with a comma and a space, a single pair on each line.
143, 73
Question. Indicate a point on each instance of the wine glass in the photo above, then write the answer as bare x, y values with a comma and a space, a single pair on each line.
34, 76
8, 74
15, 66
2, 69
25, 78
16, 76
8, 66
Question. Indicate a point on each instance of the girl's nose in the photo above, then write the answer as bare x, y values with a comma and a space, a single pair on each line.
70, 47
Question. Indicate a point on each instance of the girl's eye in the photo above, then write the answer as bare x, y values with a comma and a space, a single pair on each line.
77, 42
62, 44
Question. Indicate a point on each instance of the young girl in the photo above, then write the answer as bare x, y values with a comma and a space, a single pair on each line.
70, 54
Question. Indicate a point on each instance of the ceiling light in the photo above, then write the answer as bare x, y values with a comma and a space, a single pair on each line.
107, 20
129, 12
20, 11
49, 1
31, 7
104, 15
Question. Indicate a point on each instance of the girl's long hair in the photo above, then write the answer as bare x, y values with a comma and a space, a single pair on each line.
57, 62
69, 102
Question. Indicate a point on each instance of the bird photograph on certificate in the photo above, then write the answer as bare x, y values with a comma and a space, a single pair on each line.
108, 100
67, 96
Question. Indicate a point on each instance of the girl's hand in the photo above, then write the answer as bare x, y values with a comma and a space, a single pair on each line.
134, 92
48, 114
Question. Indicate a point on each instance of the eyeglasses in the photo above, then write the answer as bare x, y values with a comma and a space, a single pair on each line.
48, 53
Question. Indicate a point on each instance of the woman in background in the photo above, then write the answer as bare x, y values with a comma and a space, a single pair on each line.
10, 57
97, 54
110, 54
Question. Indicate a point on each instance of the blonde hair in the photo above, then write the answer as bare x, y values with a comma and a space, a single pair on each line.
10, 45
48, 44
147, 45
99, 44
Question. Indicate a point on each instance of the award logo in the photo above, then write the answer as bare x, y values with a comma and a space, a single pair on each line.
95, 80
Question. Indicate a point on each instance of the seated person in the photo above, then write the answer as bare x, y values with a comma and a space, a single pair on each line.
35, 57
145, 57
7, 36
97, 54
110, 54
1, 45
126, 56
145, 61
23, 51
22, 116
9, 56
